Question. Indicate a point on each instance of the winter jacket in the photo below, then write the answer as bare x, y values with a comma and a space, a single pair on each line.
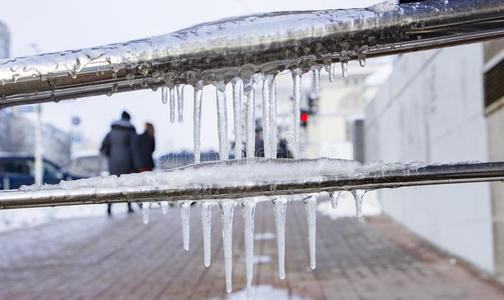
119, 147
145, 146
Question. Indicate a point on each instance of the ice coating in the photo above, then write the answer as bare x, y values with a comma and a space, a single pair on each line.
180, 104
185, 218
358, 197
198, 96
227, 208
233, 47
248, 206
266, 115
172, 105
296, 110
145, 212
311, 218
237, 111
206, 222
222, 121
279, 209
235, 173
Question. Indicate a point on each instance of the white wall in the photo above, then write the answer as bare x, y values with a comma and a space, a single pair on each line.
431, 109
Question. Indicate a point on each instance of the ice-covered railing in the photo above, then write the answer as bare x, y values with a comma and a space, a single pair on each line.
248, 178
239, 47
245, 183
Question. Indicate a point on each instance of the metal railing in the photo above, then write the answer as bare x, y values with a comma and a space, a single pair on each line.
240, 47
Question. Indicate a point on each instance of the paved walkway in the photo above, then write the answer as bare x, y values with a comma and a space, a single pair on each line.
120, 258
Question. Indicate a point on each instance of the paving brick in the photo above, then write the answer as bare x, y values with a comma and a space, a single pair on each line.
120, 258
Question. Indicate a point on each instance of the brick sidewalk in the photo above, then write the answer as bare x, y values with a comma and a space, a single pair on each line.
120, 258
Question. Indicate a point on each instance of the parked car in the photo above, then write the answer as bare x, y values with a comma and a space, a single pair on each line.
17, 170
88, 164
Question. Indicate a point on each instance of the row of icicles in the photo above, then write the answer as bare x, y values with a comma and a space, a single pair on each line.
244, 108
244, 102
248, 209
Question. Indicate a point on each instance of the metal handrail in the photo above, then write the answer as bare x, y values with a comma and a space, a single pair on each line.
241, 46
360, 177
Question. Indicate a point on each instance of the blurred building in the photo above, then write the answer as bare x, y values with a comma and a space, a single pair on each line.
445, 105
493, 79
17, 130
4, 41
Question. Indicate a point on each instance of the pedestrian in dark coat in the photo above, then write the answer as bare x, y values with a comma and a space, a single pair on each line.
118, 146
146, 144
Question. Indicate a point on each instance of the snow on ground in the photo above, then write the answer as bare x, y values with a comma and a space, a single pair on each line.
346, 206
29, 217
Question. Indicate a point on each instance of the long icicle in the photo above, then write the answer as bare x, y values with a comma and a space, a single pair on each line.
316, 81
227, 208
164, 94
222, 121
335, 198
248, 230
206, 222
358, 197
172, 105
296, 110
185, 219
280, 207
250, 101
273, 120
145, 212
266, 115
311, 217
198, 95
180, 104
237, 109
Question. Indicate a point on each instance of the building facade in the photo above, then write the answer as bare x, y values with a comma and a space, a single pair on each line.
431, 109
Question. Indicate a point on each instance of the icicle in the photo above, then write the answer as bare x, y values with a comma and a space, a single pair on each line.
164, 207
172, 105
296, 110
250, 102
180, 107
344, 68
279, 207
266, 115
273, 121
164, 94
206, 221
311, 217
237, 109
334, 199
248, 217
316, 82
145, 212
227, 207
222, 121
358, 197
198, 95
362, 61
185, 215
332, 72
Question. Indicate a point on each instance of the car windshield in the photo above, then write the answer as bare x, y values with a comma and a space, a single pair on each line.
17, 166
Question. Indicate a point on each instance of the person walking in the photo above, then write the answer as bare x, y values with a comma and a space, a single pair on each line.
145, 146
118, 147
